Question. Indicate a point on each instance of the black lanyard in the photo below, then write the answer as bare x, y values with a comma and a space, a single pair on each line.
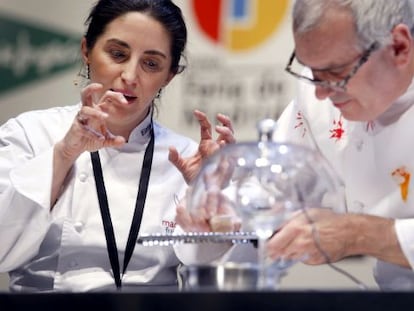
139, 209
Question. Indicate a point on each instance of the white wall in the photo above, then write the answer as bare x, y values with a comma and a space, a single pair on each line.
245, 66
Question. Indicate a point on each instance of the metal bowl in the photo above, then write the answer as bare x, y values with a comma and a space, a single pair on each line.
228, 276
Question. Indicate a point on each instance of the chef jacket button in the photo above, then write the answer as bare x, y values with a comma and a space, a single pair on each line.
73, 264
78, 226
83, 176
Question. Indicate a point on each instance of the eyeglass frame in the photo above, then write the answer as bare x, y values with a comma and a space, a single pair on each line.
338, 85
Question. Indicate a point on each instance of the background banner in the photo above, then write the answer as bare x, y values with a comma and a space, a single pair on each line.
236, 53
29, 52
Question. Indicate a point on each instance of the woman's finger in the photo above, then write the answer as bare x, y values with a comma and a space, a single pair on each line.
90, 94
225, 121
205, 125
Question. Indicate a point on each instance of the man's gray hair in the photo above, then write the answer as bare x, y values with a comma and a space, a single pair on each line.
373, 19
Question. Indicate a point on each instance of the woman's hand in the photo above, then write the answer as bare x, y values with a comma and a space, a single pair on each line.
214, 214
214, 211
190, 167
89, 131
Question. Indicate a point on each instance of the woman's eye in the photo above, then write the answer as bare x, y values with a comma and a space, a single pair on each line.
117, 54
151, 65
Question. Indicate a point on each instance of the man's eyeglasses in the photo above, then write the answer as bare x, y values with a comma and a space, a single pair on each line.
333, 85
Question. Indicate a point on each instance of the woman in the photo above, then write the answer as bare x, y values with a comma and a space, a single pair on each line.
78, 183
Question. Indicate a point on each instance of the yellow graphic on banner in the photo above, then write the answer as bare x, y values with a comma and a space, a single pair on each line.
239, 25
264, 18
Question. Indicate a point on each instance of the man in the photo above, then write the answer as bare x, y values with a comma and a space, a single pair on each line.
357, 110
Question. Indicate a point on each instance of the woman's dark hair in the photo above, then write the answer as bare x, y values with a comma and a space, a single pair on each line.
164, 11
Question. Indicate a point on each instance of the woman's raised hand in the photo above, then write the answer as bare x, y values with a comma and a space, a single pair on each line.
190, 166
89, 131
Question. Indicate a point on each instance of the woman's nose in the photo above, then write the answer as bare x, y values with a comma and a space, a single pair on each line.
130, 74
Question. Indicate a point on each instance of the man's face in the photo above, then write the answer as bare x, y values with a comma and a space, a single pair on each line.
332, 53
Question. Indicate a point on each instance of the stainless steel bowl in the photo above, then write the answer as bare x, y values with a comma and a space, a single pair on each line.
228, 276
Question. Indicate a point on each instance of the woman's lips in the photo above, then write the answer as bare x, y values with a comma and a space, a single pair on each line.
130, 98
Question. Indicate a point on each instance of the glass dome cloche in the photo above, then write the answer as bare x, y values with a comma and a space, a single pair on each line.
261, 183
256, 186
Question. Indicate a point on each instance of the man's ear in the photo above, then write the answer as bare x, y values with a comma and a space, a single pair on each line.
84, 50
402, 44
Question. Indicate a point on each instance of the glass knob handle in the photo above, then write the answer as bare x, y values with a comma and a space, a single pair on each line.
266, 128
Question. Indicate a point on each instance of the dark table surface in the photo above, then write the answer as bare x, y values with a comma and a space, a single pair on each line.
212, 301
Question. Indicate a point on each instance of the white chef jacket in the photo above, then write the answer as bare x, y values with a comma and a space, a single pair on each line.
373, 159
65, 250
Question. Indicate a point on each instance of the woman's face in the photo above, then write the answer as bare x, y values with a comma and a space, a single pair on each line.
132, 57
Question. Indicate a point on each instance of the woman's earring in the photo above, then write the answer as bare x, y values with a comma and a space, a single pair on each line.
83, 76
88, 72
159, 94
